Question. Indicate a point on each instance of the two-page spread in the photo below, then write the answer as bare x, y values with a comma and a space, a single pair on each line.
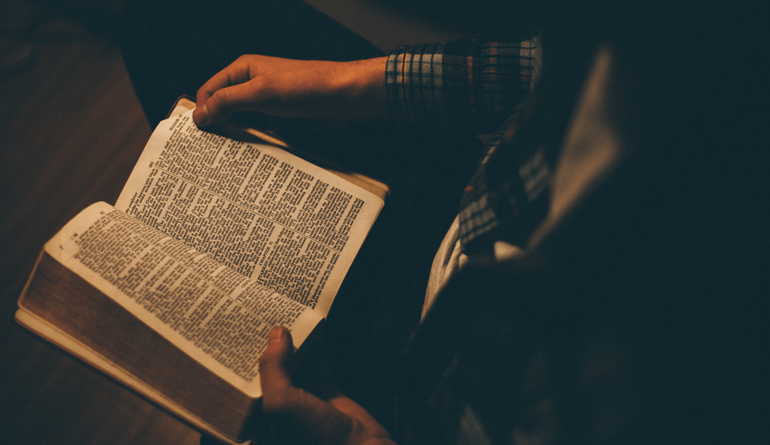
269, 215
212, 242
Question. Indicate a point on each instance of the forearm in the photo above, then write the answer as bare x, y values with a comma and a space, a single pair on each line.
322, 90
362, 90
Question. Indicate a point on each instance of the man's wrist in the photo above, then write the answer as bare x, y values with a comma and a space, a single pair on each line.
365, 87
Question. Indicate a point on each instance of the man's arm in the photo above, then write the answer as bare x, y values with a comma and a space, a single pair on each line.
467, 85
337, 91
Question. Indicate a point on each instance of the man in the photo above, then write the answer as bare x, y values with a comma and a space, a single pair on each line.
581, 295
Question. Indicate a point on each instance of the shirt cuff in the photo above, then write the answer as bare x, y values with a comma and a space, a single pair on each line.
458, 85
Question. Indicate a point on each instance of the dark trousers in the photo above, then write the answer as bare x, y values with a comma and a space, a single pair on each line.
172, 47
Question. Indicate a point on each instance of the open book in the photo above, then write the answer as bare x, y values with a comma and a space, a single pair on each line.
212, 242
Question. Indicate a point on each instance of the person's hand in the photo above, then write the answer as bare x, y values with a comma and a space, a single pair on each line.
297, 416
335, 91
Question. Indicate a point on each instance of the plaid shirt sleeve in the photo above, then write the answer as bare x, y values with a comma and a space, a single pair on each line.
472, 85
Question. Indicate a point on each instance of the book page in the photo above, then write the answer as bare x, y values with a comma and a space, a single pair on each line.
265, 213
217, 316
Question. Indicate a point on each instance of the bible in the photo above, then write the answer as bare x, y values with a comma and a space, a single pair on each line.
213, 241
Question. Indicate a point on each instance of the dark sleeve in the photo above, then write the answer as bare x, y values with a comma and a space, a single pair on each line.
466, 85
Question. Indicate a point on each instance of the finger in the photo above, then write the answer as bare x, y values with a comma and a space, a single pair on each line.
273, 364
236, 73
351, 408
226, 101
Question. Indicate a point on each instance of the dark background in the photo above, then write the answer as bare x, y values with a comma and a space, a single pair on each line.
70, 131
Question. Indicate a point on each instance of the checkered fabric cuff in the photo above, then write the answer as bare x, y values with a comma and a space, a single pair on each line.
470, 85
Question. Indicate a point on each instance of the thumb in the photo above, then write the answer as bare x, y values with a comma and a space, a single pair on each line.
296, 415
274, 365
221, 105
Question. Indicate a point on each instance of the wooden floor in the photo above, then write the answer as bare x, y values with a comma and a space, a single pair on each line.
70, 131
